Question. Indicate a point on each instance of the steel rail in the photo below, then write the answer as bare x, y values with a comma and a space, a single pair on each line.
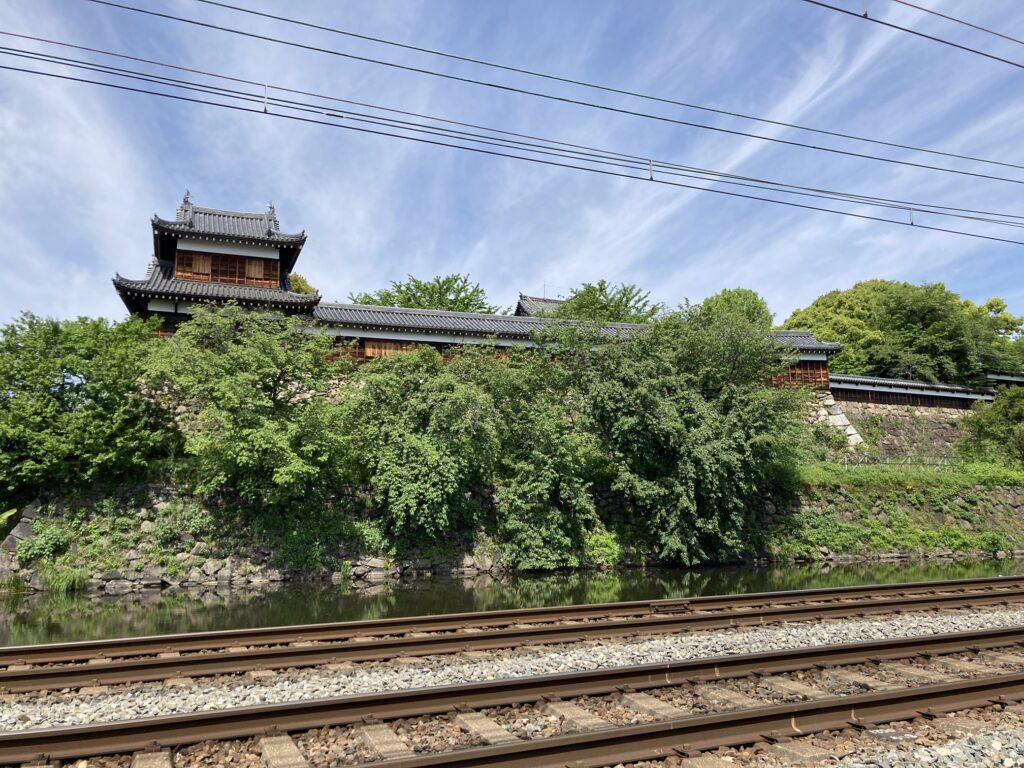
175, 730
195, 641
115, 672
683, 735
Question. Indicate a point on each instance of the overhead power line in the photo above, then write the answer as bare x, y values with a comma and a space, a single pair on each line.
908, 30
957, 21
484, 151
597, 86
561, 148
553, 97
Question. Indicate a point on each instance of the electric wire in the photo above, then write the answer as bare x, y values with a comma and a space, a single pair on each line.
949, 18
597, 86
553, 97
479, 150
889, 24
593, 155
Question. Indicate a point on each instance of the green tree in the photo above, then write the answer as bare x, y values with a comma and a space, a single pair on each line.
692, 433
741, 303
71, 413
300, 284
908, 331
423, 442
996, 430
541, 487
250, 390
452, 292
607, 303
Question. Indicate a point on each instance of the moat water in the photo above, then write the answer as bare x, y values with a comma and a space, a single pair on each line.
42, 618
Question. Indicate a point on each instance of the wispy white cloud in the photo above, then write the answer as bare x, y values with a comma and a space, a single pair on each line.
375, 209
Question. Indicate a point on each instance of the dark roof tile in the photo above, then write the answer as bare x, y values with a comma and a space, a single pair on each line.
535, 305
841, 379
805, 342
440, 321
213, 222
161, 283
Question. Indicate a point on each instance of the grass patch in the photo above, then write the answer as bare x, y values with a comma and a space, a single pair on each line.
12, 585
867, 509
954, 476
62, 581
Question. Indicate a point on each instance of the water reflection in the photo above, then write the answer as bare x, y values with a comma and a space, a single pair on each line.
51, 618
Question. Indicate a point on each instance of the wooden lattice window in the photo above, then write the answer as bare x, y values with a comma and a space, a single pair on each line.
377, 348
225, 268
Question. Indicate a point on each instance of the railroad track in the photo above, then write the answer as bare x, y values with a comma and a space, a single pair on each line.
120, 661
898, 680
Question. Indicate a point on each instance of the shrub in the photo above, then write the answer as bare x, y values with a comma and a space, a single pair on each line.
71, 413
257, 418
48, 541
602, 548
996, 430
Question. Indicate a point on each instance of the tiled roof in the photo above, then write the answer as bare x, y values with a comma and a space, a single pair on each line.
232, 225
535, 305
805, 342
439, 321
364, 316
843, 379
161, 283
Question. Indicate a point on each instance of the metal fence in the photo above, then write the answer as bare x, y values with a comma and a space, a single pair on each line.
859, 459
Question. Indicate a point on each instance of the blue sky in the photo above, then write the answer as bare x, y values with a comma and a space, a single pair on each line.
82, 169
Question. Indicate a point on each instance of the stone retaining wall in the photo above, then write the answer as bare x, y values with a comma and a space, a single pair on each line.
204, 564
908, 430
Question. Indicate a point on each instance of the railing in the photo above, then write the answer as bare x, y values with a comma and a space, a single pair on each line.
861, 459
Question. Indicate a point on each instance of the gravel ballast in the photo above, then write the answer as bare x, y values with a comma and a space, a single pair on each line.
148, 700
996, 748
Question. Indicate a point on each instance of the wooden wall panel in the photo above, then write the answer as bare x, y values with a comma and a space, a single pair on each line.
225, 268
809, 372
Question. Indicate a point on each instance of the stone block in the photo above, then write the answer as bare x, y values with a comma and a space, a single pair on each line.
151, 760
651, 705
23, 530
382, 740
281, 752
789, 687
800, 753
920, 675
484, 728
724, 697
958, 726
575, 715
706, 761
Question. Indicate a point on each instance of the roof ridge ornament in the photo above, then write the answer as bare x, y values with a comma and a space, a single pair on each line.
272, 223
185, 210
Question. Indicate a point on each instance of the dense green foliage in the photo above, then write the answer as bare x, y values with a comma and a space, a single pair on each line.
248, 391
690, 430
300, 284
996, 430
607, 303
914, 331
916, 512
71, 412
452, 292
742, 303
556, 453
589, 448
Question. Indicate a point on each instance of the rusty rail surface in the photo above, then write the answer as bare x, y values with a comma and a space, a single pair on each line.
119, 671
243, 722
197, 641
678, 736
231, 662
